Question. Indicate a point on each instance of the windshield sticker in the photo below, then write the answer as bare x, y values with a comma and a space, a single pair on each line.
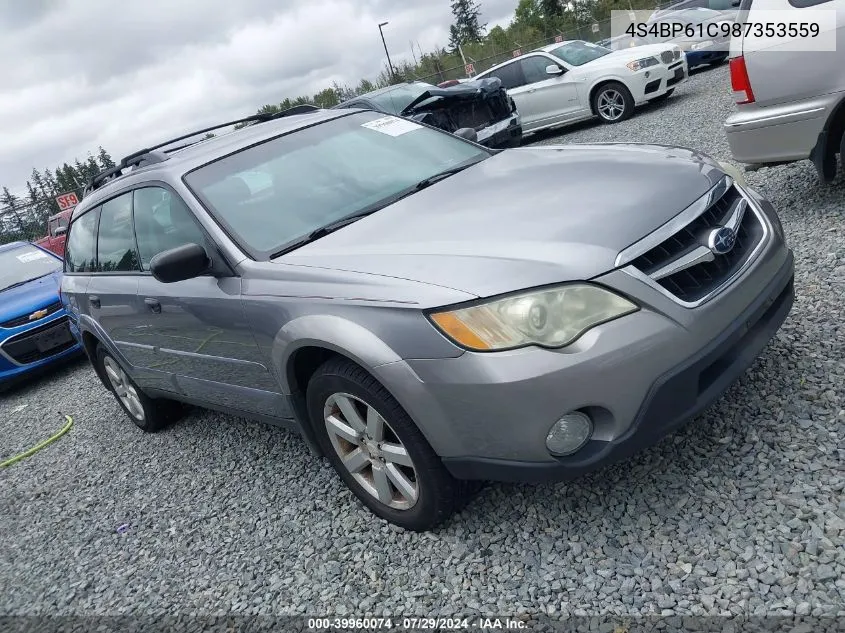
392, 126
28, 257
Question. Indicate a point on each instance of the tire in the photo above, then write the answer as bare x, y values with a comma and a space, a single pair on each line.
148, 415
662, 97
613, 97
426, 495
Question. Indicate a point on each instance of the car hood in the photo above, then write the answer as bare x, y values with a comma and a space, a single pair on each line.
470, 90
524, 217
29, 297
625, 55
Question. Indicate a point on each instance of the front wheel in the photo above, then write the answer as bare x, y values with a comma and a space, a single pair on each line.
613, 102
377, 449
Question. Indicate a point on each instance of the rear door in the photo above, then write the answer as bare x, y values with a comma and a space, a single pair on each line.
112, 291
195, 332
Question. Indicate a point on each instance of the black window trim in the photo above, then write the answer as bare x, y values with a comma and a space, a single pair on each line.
264, 256
130, 189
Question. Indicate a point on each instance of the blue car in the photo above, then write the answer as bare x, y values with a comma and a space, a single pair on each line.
34, 328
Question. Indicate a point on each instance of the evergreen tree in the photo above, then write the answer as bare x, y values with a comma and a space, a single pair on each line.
9, 205
104, 159
467, 27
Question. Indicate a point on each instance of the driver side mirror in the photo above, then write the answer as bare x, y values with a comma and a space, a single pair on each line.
180, 263
60, 230
468, 133
554, 69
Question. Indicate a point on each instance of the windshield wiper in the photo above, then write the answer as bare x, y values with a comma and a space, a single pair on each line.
25, 281
316, 234
427, 182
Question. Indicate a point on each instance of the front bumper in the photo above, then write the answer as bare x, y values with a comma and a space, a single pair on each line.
673, 399
638, 377
503, 134
654, 81
777, 134
20, 358
699, 57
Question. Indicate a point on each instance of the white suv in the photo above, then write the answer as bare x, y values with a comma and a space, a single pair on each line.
791, 105
571, 81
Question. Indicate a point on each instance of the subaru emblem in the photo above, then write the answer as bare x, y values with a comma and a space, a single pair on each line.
721, 240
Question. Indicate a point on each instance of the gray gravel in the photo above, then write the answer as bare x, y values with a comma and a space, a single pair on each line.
741, 512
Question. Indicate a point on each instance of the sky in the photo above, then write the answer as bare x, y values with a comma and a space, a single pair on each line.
77, 74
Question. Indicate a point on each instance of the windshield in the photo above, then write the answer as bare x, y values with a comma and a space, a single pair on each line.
578, 53
397, 99
322, 174
24, 263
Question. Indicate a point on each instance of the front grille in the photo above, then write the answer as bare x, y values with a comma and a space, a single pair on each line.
667, 56
698, 281
24, 348
23, 320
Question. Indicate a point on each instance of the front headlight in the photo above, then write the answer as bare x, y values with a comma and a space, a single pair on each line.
699, 45
549, 318
645, 62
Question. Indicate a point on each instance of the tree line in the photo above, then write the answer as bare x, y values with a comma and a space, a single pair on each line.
24, 217
534, 22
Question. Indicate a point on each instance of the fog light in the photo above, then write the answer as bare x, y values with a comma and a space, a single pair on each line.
569, 434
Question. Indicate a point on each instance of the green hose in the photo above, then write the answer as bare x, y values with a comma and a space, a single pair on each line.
38, 447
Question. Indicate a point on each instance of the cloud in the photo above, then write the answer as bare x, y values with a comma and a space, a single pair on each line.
127, 74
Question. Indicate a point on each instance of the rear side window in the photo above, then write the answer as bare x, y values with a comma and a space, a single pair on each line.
162, 222
116, 239
81, 246
511, 75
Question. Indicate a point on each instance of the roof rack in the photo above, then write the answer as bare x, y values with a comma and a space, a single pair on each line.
155, 154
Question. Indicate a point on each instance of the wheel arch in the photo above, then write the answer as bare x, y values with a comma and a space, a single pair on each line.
831, 142
599, 84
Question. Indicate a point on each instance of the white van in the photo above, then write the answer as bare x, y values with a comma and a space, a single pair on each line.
790, 103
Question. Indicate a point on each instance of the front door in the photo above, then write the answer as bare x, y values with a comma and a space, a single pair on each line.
196, 331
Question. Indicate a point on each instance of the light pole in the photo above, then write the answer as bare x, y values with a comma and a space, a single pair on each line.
389, 63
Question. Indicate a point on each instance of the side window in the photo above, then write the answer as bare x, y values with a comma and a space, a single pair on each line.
511, 75
115, 239
162, 222
534, 69
81, 246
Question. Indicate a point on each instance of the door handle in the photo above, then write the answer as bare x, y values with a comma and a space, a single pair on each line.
94, 300
153, 304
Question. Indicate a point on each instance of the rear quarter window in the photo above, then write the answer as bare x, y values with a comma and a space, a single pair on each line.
81, 246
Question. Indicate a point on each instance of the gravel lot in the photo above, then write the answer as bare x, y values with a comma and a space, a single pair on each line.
741, 512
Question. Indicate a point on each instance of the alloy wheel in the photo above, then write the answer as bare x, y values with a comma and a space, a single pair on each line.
123, 388
611, 104
370, 450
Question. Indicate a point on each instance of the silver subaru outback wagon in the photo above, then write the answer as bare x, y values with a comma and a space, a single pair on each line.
426, 312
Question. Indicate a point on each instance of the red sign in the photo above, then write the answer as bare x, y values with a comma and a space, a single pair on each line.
517, 52
67, 201
469, 68
558, 38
